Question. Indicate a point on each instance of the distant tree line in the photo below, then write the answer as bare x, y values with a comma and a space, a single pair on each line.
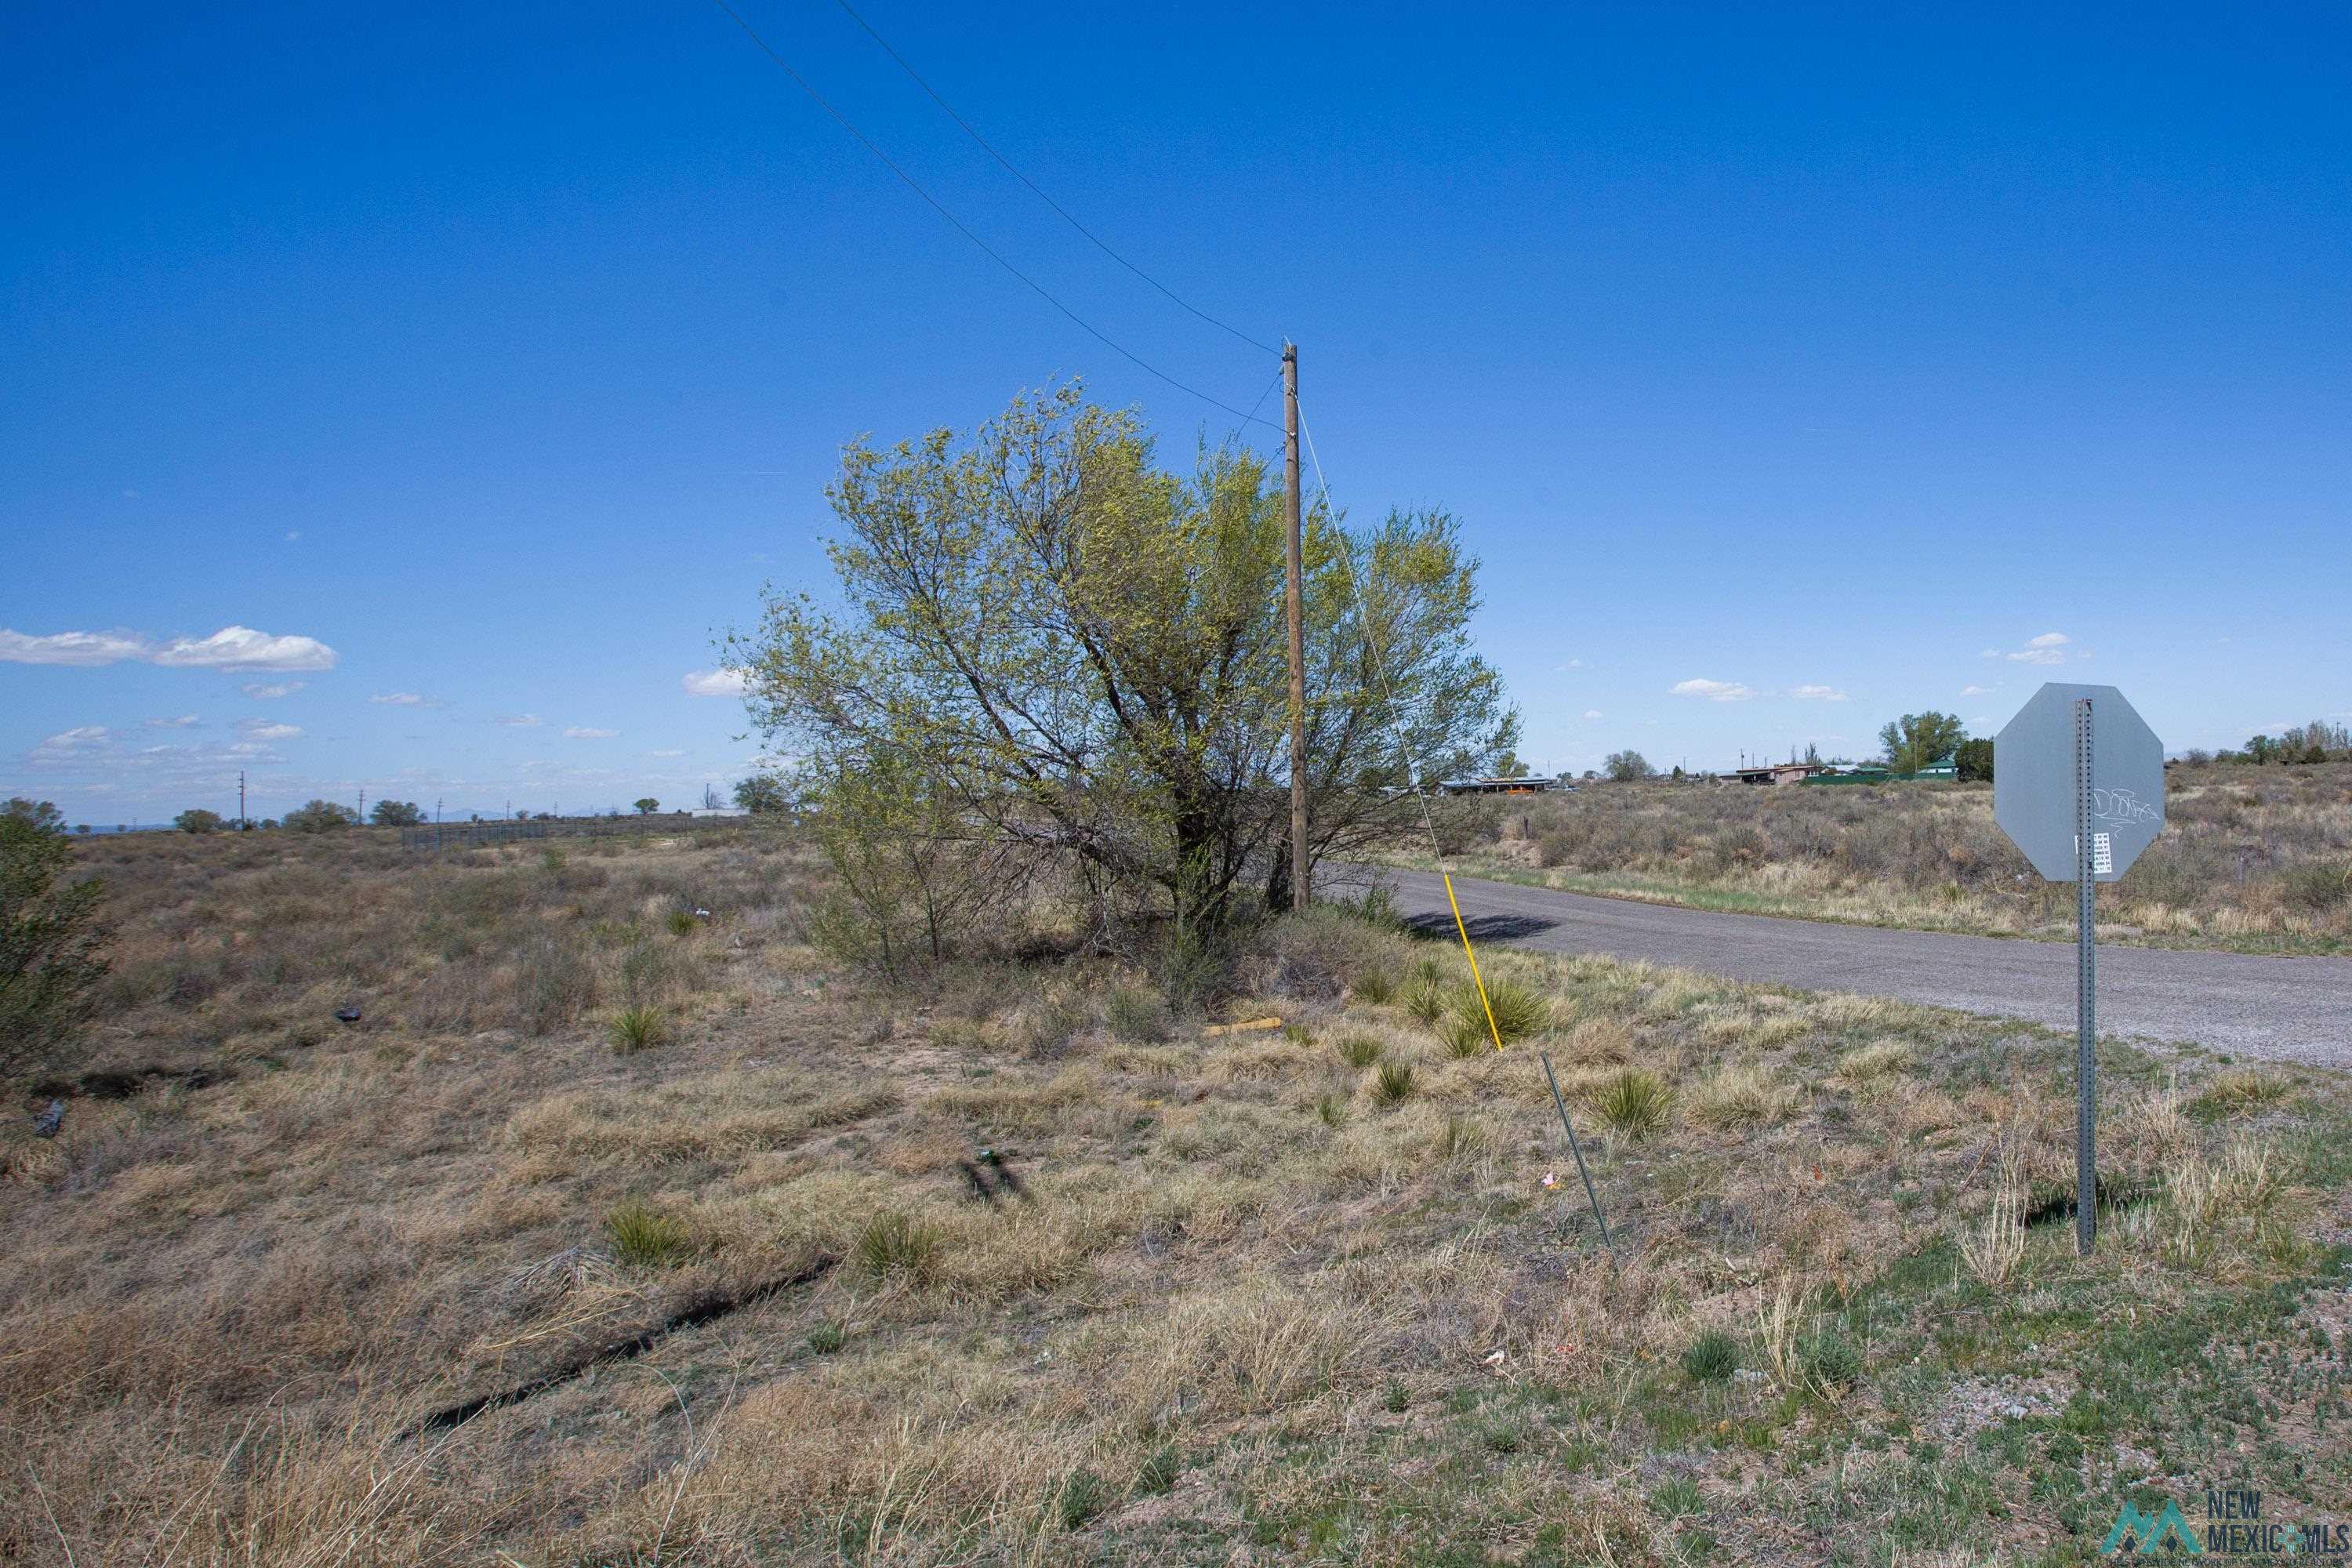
2304, 745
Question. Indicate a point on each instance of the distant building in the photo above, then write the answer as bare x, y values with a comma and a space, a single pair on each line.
1780, 773
1498, 786
714, 811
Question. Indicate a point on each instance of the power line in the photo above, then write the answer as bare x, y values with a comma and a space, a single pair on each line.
1059, 210
965, 230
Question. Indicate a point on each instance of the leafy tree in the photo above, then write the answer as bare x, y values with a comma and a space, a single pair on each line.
2262, 748
1812, 754
1628, 767
1084, 653
321, 816
762, 793
397, 814
39, 815
51, 942
196, 819
711, 800
1974, 759
915, 874
647, 806
1510, 767
1917, 740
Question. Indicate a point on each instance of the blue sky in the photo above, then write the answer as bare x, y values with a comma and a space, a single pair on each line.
379, 380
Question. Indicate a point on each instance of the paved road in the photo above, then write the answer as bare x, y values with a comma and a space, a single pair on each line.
2290, 1009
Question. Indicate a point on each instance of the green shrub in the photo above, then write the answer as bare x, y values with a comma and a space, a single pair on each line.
1376, 986
1359, 1050
638, 1029
1425, 1000
1083, 1499
1332, 1109
1831, 1361
893, 1241
645, 1237
2319, 887
681, 922
1520, 1010
1712, 1357
1136, 1015
1635, 1102
826, 1338
1159, 1472
1676, 1498
552, 859
1393, 1083
1464, 1035
554, 983
51, 941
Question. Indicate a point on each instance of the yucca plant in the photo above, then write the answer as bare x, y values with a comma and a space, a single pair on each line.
1635, 1102
1425, 1000
1359, 1050
643, 1236
893, 1240
1520, 1011
639, 1028
1392, 1084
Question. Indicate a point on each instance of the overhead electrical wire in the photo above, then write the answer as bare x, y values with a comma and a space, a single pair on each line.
1060, 211
961, 227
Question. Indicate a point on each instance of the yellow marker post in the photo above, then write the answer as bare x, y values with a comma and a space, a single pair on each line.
1475, 979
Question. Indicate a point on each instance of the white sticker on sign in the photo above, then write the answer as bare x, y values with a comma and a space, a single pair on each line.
2103, 854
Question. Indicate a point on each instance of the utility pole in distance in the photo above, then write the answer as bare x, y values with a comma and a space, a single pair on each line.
1293, 570
240, 800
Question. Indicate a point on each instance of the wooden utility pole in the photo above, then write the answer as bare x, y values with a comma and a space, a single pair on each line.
240, 800
1292, 571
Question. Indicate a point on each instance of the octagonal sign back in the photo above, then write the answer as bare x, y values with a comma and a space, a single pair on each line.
2033, 782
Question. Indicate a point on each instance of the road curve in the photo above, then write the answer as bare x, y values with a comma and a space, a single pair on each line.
2286, 1009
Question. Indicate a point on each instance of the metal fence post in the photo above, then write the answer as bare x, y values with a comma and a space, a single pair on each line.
2086, 1111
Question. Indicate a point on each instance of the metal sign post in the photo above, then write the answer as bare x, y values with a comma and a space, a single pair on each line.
2078, 785
2086, 991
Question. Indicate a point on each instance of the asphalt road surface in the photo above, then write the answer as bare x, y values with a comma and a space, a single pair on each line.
2288, 1009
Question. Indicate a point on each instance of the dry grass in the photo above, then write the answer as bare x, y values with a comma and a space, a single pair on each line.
1019, 1266
2253, 858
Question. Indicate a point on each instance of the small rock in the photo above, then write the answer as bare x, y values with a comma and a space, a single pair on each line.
47, 1123
2014, 1412
348, 1015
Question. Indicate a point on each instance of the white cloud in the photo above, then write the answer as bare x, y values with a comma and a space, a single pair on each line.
403, 700
67, 745
668, 751
70, 647
519, 720
242, 648
1973, 690
1593, 712
1714, 690
292, 534
584, 732
1818, 694
1571, 664
265, 730
184, 722
2050, 647
264, 690
715, 683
